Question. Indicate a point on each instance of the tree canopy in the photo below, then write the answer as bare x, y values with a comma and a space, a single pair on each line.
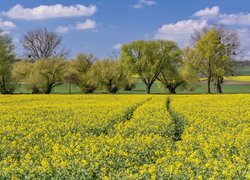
209, 56
79, 72
7, 58
109, 75
146, 59
40, 43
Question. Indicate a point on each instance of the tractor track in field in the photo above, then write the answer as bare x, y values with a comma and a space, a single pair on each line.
126, 117
178, 122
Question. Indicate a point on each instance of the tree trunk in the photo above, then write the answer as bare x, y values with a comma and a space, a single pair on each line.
218, 86
209, 85
148, 88
88, 89
49, 89
113, 90
171, 90
127, 87
69, 88
3, 88
35, 90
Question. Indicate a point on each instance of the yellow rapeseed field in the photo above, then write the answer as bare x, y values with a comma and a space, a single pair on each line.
125, 137
233, 78
239, 78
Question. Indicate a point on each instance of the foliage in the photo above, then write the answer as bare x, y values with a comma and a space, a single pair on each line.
146, 59
79, 72
170, 75
129, 83
24, 72
232, 49
209, 56
7, 58
109, 74
188, 73
42, 75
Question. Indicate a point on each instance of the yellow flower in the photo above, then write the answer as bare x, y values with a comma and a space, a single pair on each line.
84, 162
45, 163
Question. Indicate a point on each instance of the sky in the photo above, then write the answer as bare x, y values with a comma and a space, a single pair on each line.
101, 26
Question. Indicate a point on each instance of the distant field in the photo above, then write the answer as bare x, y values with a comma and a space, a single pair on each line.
243, 71
124, 136
238, 78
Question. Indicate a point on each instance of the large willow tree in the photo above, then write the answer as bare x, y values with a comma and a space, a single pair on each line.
146, 59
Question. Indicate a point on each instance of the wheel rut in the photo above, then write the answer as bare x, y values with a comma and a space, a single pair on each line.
110, 129
178, 121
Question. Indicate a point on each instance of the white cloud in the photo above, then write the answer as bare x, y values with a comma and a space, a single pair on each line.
88, 24
244, 36
63, 29
214, 11
235, 19
142, 3
180, 31
242, 19
6, 24
49, 11
117, 46
4, 32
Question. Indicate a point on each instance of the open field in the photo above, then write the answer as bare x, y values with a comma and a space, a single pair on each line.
239, 78
125, 136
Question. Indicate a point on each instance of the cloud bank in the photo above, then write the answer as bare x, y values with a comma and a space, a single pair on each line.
6, 24
49, 11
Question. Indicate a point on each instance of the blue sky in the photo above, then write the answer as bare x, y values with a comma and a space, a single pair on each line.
100, 26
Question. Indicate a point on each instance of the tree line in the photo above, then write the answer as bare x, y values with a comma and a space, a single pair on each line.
211, 56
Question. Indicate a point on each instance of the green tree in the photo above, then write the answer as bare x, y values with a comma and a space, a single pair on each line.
70, 76
209, 55
25, 73
188, 73
230, 40
51, 73
7, 58
41, 76
109, 74
79, 72
226, 66
129, 83
146, 59
170, 75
